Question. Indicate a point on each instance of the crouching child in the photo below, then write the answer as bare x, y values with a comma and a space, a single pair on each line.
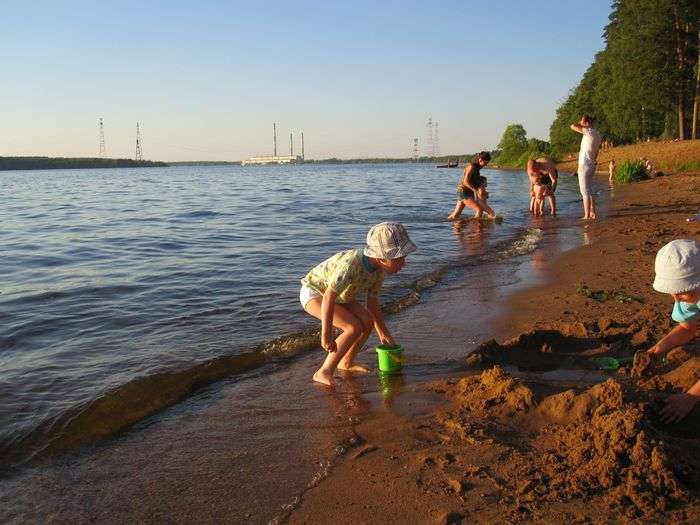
332, 290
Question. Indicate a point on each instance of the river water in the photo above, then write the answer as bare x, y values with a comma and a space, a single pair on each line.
153, 313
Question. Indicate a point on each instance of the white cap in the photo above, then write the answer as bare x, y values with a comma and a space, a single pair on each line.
678, 267
388, 240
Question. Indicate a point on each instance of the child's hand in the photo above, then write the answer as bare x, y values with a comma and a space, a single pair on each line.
386, 339
677, 407
655, 351
328, 344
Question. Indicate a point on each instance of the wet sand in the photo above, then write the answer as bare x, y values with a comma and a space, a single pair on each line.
532, 431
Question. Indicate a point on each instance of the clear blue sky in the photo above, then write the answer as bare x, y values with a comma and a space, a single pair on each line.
206, 79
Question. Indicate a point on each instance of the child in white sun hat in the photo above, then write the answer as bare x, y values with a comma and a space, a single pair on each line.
330, 292
678, 274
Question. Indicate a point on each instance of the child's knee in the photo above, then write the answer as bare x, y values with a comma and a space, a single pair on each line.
355, 329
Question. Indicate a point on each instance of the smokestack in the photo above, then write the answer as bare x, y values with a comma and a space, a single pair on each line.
291, 145
302, 145
274, 135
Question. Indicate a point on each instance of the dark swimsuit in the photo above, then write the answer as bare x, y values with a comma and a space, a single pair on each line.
464, 192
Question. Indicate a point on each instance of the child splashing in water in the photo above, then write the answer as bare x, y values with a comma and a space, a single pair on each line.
330, 292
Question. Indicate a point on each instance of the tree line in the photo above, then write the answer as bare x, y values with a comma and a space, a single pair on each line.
645, 84
58, 163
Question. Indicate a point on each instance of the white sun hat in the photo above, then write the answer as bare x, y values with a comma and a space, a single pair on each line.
678, 267
388, 240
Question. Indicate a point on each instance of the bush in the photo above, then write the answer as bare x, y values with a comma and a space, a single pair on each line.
630, 171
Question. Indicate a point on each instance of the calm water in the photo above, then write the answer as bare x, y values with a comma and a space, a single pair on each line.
125, 291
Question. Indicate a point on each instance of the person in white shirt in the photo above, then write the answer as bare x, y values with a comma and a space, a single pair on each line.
587, 158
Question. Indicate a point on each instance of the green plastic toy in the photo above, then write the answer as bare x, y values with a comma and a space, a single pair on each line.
610, 363
390, 358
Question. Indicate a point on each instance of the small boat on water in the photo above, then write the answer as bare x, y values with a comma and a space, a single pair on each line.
450, 164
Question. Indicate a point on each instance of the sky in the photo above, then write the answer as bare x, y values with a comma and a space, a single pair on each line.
206, 79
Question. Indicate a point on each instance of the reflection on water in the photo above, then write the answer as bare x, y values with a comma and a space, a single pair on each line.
390, 385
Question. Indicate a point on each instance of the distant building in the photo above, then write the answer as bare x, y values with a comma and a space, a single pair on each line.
274, 159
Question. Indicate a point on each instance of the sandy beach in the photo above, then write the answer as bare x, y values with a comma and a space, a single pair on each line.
534, 432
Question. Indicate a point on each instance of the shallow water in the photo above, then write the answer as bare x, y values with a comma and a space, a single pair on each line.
127, 291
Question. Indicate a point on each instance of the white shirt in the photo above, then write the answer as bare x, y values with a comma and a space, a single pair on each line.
590, 144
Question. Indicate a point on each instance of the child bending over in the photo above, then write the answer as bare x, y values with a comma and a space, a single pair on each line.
330, 293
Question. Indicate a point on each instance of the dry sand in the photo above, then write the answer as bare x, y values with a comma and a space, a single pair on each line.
666, 156
509, 443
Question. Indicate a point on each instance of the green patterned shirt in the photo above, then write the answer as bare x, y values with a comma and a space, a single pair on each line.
346, 274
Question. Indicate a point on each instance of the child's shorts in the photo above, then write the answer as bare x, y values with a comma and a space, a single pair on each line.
306, 294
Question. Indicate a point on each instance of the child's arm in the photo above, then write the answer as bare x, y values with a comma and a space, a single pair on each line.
327, 308
378, 316
681, 334
679, 405
577, 128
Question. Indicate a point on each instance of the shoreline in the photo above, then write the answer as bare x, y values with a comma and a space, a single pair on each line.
469, 459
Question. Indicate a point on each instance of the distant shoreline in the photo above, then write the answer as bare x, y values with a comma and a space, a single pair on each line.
59, 163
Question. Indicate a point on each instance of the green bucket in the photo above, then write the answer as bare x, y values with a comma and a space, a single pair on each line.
390, 358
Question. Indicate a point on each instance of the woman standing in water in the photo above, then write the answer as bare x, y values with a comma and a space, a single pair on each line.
469, 190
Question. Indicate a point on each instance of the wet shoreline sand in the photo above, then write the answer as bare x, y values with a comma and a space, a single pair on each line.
529, 433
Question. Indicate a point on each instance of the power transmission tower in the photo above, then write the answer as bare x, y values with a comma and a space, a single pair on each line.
103, 149
139, 154
274, 138
436, 140
416, 154
429, 149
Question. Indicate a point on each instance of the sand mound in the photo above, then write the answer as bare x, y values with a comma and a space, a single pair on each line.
495, 393
597, 443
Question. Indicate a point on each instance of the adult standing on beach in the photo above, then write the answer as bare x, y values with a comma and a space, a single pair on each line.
587, 159
543, 183
469, 189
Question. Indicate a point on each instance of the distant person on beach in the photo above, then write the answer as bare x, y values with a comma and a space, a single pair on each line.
678, 274
587, 159
330, 292
649, 167
611, 171
469, 189
543, 183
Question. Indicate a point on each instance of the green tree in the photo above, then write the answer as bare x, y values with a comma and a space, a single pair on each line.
513, 144
644, 81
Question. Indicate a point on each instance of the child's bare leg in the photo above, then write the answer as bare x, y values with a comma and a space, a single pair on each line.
459, 206
353, 330
532, 203
347, 362
552, 204
487, 209
476, 206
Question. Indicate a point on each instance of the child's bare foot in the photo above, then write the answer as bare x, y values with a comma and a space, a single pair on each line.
354, 368
325, 379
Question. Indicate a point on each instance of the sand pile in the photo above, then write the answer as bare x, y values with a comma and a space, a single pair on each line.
600, 443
